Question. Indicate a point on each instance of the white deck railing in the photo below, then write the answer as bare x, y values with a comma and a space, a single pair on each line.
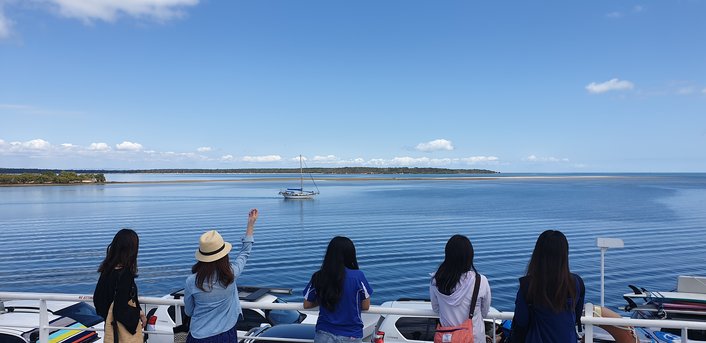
589, 321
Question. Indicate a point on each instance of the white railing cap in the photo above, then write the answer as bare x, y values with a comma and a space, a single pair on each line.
373, 309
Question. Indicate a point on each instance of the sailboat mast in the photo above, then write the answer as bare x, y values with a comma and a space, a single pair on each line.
301, 174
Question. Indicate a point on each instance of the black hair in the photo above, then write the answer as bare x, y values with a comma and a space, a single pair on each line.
122, 252
328, 281
550, 280
458, 260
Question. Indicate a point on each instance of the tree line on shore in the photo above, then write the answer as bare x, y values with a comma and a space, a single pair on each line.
50, 177
341, 170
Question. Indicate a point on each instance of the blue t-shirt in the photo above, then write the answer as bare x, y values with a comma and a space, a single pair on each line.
345, 319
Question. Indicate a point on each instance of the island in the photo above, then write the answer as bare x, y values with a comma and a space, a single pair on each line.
51, 178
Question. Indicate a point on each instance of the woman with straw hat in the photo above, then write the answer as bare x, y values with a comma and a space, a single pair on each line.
210, 295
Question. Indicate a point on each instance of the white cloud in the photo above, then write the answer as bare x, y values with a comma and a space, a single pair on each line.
36, 144
296, 159
535, 158
703, 91
110, 10
614, 15
334, 160
5, 24
407, 161
266, 158
435, 145
69, 146
99, 147
638, 8
480, 159
129, 146
29, 147
328, 158
204, 149
105, 153
610, 85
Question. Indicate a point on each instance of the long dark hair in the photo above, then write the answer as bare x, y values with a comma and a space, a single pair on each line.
219, 270
328, 281
122, 252
550, 280
458, 260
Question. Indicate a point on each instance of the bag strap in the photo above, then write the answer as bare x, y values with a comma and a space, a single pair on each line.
581, 293
475, 296
116, 334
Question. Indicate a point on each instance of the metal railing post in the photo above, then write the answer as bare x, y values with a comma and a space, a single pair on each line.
588, 328
177, 315
684, 335
43, 322
495, 329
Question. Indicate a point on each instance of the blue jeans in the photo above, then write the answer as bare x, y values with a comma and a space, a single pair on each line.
327, 337
230, 336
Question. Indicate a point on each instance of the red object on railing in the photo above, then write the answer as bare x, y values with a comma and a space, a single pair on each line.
379, 337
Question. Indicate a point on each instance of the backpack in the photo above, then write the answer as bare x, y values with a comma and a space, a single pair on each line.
461, 333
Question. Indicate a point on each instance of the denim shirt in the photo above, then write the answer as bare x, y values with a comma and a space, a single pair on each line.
215, 311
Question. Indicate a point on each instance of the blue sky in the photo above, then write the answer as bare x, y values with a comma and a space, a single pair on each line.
513, 86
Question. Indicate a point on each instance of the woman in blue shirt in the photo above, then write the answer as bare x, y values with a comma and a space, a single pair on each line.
211, 295
550, 300
341, 291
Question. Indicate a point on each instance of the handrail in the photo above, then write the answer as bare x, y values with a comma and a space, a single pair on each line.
589, 321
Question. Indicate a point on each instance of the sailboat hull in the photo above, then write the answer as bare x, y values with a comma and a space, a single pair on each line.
298, 195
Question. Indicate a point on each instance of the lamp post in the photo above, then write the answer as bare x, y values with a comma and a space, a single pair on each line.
604, 244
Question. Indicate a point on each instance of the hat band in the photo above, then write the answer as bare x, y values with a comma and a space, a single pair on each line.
213, 252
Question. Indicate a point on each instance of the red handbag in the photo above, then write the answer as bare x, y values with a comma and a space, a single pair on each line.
461, 333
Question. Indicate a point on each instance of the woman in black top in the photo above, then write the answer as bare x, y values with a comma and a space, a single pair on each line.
549, 303
115, 297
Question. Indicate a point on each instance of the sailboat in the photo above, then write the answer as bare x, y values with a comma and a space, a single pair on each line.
300, 193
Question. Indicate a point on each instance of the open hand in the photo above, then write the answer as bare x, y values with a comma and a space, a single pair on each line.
252, 216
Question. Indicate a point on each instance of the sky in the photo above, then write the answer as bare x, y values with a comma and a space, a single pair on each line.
511, 86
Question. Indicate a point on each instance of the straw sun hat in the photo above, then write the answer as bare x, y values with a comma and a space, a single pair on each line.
212, 247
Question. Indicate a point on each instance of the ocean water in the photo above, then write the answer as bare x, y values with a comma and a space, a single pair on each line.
52, 238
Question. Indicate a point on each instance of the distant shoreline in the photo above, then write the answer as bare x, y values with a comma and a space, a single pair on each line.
337, 179
333, 171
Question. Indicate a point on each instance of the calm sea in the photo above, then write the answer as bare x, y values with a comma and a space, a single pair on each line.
52, 238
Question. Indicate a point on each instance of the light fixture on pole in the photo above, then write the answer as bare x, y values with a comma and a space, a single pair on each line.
604, 244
